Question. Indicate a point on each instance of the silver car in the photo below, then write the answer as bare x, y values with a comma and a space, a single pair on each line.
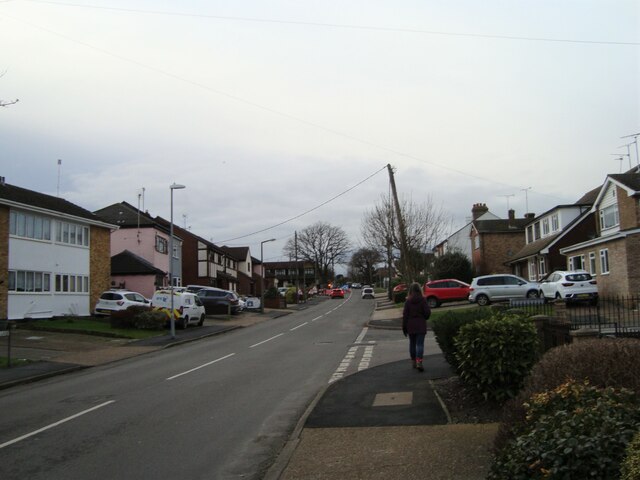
491, 288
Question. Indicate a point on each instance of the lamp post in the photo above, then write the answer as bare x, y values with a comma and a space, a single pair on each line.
172, 187
262, 276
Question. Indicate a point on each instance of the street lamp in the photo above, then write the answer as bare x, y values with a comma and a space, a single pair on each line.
172, 187
262, 276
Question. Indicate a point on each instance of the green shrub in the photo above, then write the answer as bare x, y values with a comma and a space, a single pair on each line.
630, 468
151, 320
574, 431
127, 318
400, 297
290, 295
496, 354
610, 362
447, 326
271, 292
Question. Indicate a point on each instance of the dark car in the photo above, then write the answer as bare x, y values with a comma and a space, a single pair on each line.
218, 301
446, 290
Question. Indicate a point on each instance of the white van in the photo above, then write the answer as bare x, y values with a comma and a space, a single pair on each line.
187, 307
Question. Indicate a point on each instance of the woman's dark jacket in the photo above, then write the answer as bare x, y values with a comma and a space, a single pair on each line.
415, 314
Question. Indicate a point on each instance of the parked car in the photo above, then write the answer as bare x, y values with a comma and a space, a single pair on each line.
570, 286
368, 292
195, 288
187, 307
491, 288
337, 293
356, 285
446, 290
219, 301
115, 300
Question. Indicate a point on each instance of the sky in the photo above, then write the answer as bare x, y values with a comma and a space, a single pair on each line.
276, 115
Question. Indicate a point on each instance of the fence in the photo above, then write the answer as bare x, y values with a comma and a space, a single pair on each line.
560, 323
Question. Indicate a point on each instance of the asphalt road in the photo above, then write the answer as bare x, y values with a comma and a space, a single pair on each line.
218, 408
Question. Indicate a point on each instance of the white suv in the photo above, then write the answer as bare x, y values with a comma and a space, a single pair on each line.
115, 300
570, 286
368, 292
489, 288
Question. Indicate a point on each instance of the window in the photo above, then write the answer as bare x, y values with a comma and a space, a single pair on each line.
609, 217
576, 263
532, 269
161, 244
545, 226
592, 262
555, 223
536, 230
530, 234
25, 281
72, 234
542, 269
604, 261
29, 226
71, 283
176, 250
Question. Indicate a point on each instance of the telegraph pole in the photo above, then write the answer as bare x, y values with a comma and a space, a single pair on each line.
404, 250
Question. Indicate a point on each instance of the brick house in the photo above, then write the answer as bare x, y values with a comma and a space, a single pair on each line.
284, 274
546, 234
460, 240
613, 255
54, 255
244, 270
495, 243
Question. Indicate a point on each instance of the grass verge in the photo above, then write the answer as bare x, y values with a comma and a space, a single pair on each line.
89, 326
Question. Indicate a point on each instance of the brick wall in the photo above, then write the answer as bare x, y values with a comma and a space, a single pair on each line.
4, 261
499, 248
628, 209
100, 263
633, 260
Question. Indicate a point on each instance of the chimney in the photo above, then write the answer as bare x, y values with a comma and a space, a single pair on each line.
529, 216
1, 180
478, 210
512, 214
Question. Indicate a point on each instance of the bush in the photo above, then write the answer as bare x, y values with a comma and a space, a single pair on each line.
151, 320
611, 362
496, 354
574, 431
400, 297
630, 468
290, 295
127, 318
271, 292
447, 326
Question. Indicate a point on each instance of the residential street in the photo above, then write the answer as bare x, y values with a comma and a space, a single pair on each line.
217, 408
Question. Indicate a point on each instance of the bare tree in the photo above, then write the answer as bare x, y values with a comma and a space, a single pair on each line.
425, 225
322, 244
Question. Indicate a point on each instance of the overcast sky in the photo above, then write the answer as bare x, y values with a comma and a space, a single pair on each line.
266, 110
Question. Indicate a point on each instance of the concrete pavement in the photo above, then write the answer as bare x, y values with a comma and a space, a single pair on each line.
384, 422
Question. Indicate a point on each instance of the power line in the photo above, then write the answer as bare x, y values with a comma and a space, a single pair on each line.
308, 211
338, 25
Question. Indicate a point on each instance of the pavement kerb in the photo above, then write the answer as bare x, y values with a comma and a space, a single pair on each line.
43, 376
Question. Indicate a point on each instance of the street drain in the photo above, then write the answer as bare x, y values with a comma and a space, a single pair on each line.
393, 399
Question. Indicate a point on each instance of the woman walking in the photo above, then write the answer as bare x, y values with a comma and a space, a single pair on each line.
414, 323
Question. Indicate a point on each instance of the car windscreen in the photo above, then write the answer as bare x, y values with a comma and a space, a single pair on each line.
579, 277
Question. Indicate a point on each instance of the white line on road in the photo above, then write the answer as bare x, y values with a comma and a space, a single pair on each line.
201, 366
301, 325
84, 412
317, 318
362, 334
267, 340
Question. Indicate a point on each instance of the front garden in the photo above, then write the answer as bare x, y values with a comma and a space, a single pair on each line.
572, 412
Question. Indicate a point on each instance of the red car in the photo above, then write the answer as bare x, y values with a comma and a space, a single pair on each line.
447, 290
337, 293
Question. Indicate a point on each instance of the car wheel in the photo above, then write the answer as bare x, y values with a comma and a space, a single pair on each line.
201, 322
185, 323
532, 294
482, 300
433, 302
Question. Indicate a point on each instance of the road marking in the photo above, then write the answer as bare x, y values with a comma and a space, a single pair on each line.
84, 412
267, 340
362, 334
317, 318
301, 325
201, 366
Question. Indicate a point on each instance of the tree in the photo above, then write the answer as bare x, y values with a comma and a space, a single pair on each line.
452, 265
322, 244
424, 224
363, 264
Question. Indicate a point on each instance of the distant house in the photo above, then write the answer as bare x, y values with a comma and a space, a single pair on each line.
613, 255
495, 243
54, 255
142, 235
548, 233
460, 241
285, 274
244, 270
